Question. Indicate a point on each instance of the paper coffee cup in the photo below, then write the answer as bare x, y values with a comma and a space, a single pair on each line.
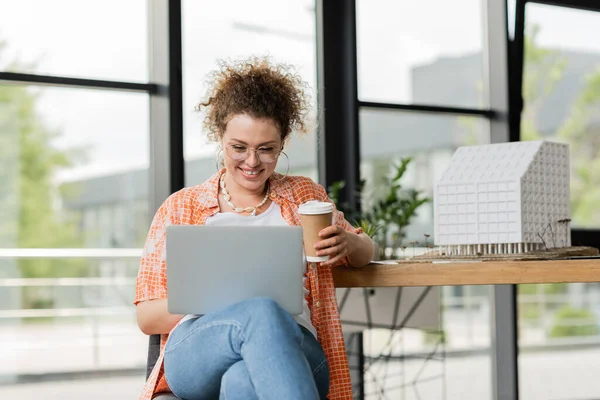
315, 216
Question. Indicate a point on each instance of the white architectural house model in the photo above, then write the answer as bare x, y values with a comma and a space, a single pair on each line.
504, 198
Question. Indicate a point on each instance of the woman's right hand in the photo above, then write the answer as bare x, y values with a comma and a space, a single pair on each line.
153, 317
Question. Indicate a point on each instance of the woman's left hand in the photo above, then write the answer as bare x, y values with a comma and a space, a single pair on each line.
335, 243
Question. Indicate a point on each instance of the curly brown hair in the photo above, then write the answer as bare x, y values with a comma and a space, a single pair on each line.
258, 88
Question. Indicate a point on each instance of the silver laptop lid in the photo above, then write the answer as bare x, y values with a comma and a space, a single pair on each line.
212, 267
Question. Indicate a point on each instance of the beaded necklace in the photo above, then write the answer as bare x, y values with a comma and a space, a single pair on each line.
227, 197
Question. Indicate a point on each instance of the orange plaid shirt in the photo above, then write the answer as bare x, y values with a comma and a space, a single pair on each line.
191, 206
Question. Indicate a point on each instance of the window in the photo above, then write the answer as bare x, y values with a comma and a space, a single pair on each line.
413, 58
426, 52
99, 40
74, 165
561, 92
430, 140
561, 86
386, 137
78, 150
73, 185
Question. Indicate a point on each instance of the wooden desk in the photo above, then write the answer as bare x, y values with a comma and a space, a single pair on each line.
503, 324
407, 273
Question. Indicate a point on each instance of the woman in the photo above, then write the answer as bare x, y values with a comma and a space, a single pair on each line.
255, 349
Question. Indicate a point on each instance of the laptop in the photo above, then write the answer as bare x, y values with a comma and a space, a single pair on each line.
210, 268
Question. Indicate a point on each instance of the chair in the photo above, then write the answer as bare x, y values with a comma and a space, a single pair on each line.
153, 353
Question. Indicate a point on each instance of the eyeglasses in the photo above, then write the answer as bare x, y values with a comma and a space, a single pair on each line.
266, 155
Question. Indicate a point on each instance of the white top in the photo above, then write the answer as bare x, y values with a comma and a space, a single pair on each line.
271, 217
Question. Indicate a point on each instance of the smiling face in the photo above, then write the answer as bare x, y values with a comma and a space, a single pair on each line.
244, 132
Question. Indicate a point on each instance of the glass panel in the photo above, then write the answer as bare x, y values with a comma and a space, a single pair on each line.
284, 30
386, 138
74, 168
561, 90
61, 323
559, 338
431, 362
100, 40
425, 52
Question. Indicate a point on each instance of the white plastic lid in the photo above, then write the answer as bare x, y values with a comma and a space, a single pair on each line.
315, 207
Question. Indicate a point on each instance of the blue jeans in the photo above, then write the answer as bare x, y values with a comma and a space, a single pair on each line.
251, 350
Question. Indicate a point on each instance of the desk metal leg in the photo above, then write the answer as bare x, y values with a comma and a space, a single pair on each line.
356, 359
505, 371
361, 366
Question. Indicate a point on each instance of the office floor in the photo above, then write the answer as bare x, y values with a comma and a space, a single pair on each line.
555, 375
90, 389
